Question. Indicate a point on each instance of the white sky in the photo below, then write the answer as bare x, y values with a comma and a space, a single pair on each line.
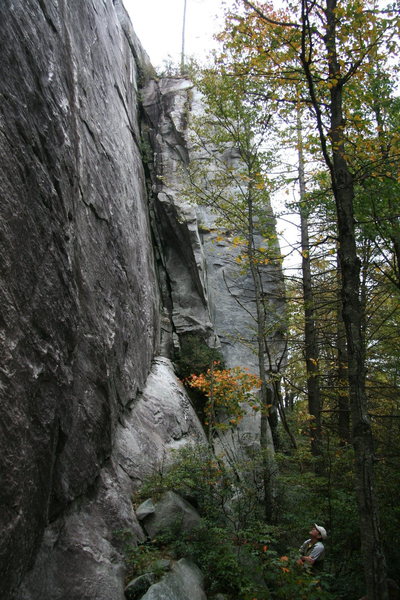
158, 24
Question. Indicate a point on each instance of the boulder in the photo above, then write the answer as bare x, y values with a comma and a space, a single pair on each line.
184, 582
145, 509
139, 586
169, 512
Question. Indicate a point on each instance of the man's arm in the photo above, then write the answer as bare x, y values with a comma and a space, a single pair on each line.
308, 559
315, 554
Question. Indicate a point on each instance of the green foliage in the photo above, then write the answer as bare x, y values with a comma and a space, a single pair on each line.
305, 497
289, 580
213, 548
238, 553
195, 356
231, 162
227, 390
197, 475
174, 69
145, 557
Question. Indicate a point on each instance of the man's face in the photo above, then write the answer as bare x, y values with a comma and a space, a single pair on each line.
314, 532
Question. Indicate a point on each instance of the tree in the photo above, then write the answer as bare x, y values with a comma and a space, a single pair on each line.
310, 330
226, 391
183, 37
228, 174
343, 191
321, 49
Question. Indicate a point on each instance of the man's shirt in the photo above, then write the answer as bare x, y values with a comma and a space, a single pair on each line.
315, 551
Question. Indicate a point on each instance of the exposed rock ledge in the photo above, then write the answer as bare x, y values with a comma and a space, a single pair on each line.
79, 557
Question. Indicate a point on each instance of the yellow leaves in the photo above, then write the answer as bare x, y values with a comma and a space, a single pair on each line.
237, 241
227, 390
332, 82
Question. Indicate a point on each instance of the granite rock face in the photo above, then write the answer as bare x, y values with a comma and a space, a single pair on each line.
207, 288
209, 293
79, 298
167, 105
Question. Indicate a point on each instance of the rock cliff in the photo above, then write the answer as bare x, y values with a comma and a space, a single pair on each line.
102, 269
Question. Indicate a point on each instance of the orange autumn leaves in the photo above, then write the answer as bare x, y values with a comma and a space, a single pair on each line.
226, 391
284, 559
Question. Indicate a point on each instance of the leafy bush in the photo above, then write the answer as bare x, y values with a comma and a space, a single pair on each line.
145, 557
197, 475
227, 391
195, 356
235, 550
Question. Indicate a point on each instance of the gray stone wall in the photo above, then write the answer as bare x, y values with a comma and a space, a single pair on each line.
167, 105
207, 292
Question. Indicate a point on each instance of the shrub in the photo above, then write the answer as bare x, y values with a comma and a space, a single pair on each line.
195, 356
238, 557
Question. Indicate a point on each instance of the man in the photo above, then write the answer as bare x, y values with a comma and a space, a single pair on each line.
313, 550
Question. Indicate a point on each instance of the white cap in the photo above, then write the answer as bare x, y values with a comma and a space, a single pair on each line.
321, 530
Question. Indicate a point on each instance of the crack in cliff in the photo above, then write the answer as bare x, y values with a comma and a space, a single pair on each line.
91, 206
47, 16
130, 125
97, 142
72, 88
126, 26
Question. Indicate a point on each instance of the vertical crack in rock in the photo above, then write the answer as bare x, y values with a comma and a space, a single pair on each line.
165, 104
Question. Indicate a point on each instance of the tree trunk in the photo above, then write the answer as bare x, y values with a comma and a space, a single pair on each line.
183, 37
310, 331
266, 392
343, 190
342, 361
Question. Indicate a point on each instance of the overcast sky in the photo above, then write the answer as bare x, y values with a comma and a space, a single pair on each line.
158, 24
